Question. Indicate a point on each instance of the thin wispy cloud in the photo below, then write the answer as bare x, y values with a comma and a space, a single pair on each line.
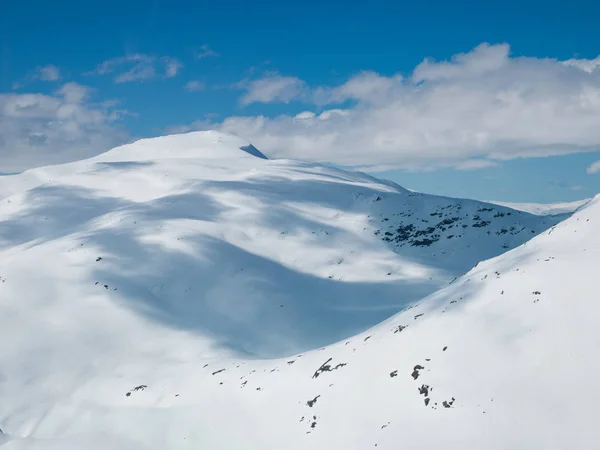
49, 73
138, 67
195, 86
272, 88
172, 66
476, 164
205, 52
44, 73
474, 110
594, 168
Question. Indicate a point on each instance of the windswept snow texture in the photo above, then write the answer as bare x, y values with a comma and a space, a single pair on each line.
138, 288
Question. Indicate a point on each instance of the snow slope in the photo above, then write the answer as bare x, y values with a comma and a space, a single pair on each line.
545, 209
261, 257
138, 288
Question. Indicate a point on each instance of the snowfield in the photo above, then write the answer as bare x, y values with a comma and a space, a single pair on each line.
546, 209
186, 292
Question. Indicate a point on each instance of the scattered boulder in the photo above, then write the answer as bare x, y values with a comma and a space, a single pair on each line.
311, 403
415, 374
326, 367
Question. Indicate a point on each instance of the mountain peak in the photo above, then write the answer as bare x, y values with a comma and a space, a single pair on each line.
197, 144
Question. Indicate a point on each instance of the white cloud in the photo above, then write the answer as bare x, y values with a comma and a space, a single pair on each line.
305, 115
74, 93
205, 52
172, 66
194, 86
483, 59
138, 67
272, 88
368, 87
474, 164
49, 73
587, 65
110, 65
37, 130
480, 107
326, 115
44, 73
594, 168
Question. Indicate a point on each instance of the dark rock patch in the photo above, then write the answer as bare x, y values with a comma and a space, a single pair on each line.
424, 390
141, 387
399, 328
326, 367
448, 404
311, 403
415, 374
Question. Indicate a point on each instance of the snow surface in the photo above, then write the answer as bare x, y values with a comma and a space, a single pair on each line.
546, 209
152, 298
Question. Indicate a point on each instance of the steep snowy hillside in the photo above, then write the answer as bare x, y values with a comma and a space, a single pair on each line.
504, 357
190, 233
137, 289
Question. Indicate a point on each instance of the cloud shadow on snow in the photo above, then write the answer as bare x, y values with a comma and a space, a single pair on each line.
249, 303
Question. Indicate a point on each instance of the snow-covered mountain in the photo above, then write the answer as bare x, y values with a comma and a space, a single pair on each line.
546, 209
140, 288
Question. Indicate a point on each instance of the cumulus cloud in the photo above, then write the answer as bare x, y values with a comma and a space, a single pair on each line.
368, 87
475, 110
272, 88
195, 85
594, 168
587, 65
205, 52
483, 59
44, 73
37, 130
138, 67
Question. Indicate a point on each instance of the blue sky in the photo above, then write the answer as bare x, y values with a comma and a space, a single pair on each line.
76, 78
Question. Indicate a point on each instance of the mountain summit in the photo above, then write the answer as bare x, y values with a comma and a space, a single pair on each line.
198, 144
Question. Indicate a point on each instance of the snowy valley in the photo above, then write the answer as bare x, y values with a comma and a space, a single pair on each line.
187, 292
